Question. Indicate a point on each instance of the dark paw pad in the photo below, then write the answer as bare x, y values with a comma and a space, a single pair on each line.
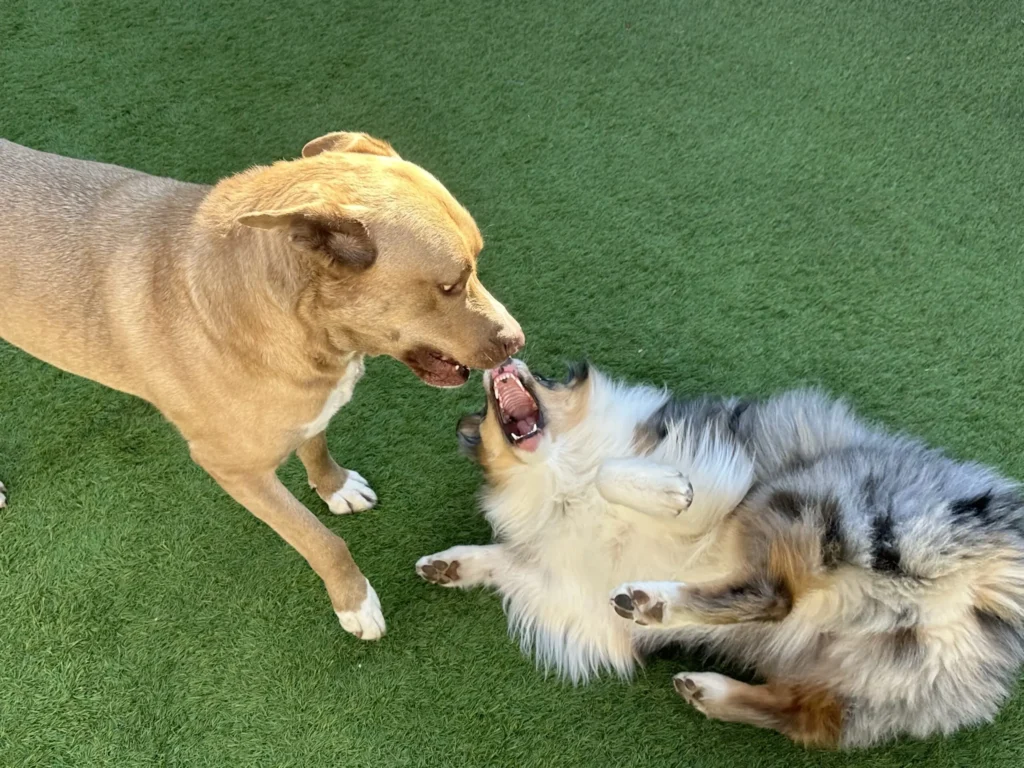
638, 605
440, 571
687, 688
623, 604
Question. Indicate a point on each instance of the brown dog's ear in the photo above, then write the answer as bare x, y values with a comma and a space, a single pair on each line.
469, 434
341, 235
342, 141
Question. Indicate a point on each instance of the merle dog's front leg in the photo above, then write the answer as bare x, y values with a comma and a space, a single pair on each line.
646, 486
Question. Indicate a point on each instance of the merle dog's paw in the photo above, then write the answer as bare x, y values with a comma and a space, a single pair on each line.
647, 603
440, 572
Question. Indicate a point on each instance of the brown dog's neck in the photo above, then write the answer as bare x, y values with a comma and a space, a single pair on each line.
256, 296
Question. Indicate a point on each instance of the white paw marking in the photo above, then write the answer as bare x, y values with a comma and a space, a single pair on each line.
656, 489
701, 689
354, 496
367, 623
646, 603
3, 497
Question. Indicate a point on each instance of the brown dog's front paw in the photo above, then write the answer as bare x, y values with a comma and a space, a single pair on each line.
365, 620
440, 572
355, 495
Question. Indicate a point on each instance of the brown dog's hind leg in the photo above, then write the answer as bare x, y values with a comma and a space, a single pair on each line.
354, 600
809, 715
344, 490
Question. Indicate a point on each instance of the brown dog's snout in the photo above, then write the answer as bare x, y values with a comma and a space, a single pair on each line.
501, 347
508, 336
512, 343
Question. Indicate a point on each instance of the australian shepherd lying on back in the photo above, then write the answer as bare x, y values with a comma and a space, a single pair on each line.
875, 585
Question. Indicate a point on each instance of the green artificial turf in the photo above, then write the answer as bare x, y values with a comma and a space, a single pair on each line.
729, 195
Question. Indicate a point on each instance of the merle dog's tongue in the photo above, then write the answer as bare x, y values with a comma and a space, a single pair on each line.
515, 400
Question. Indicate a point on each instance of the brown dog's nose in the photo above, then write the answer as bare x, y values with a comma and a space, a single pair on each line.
512, 344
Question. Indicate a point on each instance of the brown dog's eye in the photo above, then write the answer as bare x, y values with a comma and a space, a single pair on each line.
454, 289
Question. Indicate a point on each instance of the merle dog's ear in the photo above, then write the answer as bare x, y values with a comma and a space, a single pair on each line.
469, 434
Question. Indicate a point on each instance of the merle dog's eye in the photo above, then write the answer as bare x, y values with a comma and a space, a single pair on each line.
544, 381
578, 372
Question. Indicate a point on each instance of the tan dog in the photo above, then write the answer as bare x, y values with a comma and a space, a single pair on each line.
243, 311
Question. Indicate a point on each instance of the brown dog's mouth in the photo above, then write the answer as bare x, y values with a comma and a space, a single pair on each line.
519, 413
436, 368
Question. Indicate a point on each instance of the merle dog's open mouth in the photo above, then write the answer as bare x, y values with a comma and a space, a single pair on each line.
436, 368
519, 413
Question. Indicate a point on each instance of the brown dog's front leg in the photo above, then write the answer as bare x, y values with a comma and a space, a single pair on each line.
344, 490
354, 600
